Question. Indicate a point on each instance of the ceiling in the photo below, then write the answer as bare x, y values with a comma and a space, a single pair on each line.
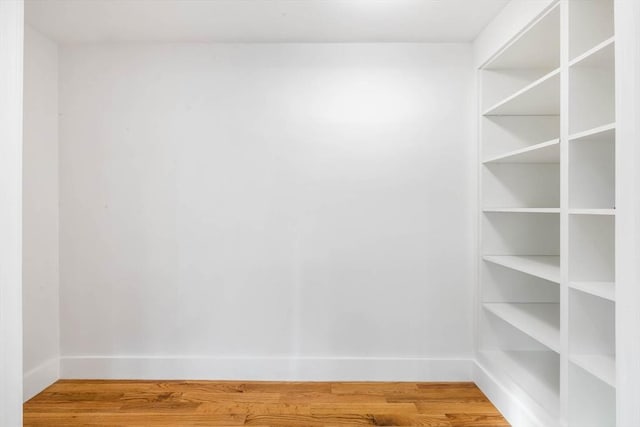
86, 21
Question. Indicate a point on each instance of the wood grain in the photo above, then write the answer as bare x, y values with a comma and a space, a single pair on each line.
71, 403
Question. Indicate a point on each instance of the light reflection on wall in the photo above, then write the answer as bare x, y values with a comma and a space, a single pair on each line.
366, 97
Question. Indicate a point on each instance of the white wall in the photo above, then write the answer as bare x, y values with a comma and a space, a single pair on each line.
41, 339
11, 49
265, 201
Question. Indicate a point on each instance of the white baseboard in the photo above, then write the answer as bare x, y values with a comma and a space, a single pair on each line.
40, 378
512, 408
276, 369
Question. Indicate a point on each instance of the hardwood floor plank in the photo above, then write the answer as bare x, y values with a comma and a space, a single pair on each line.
317, 398
412, 420
253, 408
136, 420
444, 406
311, 420
84, 396
467, 420
257, 397
359, 408
92, 403
72, 408
373, 387
290, 387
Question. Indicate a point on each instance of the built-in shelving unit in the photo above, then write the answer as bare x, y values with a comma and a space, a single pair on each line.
547, 220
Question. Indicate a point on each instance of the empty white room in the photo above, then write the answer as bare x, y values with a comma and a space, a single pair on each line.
320, 213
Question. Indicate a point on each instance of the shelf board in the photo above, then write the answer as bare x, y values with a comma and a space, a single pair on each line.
540, 98
600, 366
600, 55
601, 133
581, 211
542, 266
545, 152
606, 290
540, 321
521, 210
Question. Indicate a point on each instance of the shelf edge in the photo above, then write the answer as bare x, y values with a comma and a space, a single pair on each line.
529, 149
598, 211
553, 346
576, 360
597, 48
592, 132
549, 278
578, 286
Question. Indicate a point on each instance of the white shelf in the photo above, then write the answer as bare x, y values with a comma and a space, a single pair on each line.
578, 211
540, 98
602, 367
606, 290
600, 55
545, 152
521, 210
540, 321
600, 133
542, 266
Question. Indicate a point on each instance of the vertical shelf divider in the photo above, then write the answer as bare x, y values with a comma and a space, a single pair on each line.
588, 183
564, 209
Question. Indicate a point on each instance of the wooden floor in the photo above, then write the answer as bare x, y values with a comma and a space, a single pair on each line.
203, 403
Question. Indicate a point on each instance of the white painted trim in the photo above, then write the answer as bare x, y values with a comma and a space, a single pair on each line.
627, 52
11, 48
40, 378
267, 368
512, 408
